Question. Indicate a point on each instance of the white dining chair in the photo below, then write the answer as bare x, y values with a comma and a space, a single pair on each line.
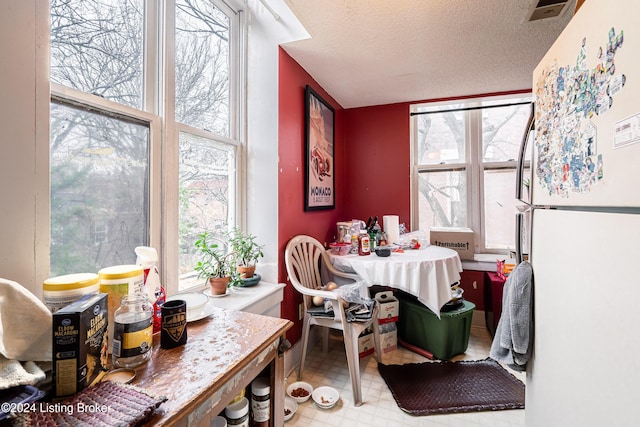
303, 258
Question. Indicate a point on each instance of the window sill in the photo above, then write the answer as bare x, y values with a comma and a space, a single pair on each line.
482, 262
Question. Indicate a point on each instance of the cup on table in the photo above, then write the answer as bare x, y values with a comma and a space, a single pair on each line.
174, 324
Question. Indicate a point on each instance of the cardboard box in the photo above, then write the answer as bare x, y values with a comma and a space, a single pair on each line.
460, 240
389, 307
365, 343
79, 344
388, 337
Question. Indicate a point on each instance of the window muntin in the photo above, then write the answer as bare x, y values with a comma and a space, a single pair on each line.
490, 139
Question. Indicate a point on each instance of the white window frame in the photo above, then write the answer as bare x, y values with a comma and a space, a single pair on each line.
474, 165
158, 112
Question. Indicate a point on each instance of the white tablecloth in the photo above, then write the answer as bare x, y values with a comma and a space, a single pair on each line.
426, 273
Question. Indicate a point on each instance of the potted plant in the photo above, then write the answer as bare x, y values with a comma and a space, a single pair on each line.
247, 252
216, 263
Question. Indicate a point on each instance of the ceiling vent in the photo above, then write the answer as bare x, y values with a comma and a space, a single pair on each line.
544, 9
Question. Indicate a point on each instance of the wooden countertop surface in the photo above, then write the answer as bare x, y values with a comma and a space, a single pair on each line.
217, 351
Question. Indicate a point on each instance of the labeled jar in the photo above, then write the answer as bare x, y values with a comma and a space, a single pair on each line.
260, 402
133, 331
60, 291
364, 247
237, 414
118, 281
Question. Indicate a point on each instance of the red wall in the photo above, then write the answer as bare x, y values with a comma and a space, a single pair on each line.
292, 219
378, 159
372, 167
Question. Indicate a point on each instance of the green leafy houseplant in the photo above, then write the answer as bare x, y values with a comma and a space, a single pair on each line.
247, 251
215, 261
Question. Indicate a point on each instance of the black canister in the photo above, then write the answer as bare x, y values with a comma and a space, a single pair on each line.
174, 324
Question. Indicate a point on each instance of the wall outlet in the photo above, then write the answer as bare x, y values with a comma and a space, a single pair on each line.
300, 311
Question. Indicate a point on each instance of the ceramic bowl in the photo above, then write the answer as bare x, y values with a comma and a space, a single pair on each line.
325, 397
294, 392
291, 406
383, 251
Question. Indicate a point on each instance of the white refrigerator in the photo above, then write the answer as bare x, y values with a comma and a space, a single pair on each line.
583, 188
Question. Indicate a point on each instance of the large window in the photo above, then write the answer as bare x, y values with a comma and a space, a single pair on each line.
145, 129
464, 157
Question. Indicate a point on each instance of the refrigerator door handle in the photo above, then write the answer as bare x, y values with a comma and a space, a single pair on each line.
522, 154
519, 221
524, 221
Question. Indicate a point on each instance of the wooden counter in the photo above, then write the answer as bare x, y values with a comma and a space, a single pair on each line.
223, 354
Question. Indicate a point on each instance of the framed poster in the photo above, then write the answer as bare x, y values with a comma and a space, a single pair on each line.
319, 180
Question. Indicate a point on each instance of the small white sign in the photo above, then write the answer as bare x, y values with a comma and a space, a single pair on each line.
627, 131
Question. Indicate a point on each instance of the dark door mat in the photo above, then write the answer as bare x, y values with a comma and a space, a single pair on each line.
450, 387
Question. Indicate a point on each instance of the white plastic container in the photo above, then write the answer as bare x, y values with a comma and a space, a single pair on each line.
60, 291
237, 414
118, 281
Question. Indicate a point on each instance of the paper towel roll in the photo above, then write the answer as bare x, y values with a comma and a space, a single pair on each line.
391, 226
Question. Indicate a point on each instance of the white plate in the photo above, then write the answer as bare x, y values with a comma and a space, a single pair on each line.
208, 293
325, 397
195, 302
292, 406
207, 311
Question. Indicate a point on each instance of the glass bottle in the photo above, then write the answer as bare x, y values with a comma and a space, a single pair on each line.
364, 247
133, 331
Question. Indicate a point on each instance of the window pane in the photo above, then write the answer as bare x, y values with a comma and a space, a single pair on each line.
202, 66
99, 190
207, 190
441, 138
500, 208
502, 131
442, 201
97, 47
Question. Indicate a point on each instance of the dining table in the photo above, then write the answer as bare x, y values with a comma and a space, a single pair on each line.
427, 273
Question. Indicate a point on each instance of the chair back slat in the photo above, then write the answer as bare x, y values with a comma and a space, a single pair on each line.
303, 256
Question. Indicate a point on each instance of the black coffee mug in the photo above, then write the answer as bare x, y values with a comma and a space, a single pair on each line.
174, 324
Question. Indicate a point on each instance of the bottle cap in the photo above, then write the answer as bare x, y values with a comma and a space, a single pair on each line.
238, 409
261, 386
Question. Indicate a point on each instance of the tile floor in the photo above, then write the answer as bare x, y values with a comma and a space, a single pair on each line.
379, 408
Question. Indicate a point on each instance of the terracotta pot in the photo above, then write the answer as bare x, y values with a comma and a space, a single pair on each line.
246, 272
218, 285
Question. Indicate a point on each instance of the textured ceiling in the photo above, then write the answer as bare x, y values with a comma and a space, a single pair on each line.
372, 52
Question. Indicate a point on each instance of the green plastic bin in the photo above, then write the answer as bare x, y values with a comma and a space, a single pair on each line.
444, 337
